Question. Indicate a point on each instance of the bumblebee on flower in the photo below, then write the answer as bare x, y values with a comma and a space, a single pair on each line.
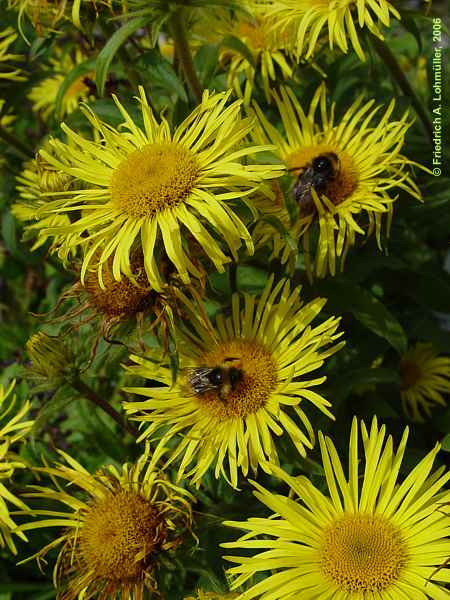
241, 384
345, 172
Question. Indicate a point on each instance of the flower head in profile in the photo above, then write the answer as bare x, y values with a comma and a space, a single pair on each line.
43, 95
51, 359
341, 21
345, 172
368, 536
161, 192
118, 526
241, 384
425, 377
13, 430
8, 37
38, 178
267, 47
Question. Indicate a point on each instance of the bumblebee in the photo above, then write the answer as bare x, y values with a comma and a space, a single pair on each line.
222, 379
318, 174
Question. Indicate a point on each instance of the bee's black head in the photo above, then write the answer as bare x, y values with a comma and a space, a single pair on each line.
323, 164
216, 376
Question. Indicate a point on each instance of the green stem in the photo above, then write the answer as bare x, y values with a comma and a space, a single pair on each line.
11, 139
384, 52
233, 278
90, 395
184, 53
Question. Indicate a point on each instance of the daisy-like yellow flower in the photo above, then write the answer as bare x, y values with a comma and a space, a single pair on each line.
156, 189
369, 536
13, 429
263, 355
339, 20
267, 47
37, 178
365, 166
118, 526
43, 95
425, 376
7, 37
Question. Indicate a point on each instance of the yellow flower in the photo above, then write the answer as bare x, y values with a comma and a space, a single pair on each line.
369, 537
50, 358
142, 186
367, 166
272, 349
267, 47
119, 525
339, 20
12, 430
43, 95
425, 375
7, 37
37, 178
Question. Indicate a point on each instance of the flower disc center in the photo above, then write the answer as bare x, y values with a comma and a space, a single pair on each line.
409, 373
153, 178
362, 553
256, 381
117, 530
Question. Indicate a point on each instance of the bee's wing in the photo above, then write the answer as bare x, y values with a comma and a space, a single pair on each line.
198, 379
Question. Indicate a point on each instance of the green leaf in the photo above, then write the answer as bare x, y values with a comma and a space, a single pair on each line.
73, 75
106, 56
205, 61
234, 43
345, 296
410, 25
446, 443
427, 289
161, 74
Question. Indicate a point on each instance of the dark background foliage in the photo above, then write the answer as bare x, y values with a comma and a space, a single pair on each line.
387, 300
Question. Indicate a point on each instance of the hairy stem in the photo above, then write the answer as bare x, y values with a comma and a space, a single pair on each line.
384, 52
88, 393
184, 53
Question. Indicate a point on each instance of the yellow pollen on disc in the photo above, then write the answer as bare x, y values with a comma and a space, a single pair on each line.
339, 188
259, 378
362, 553
117, 530
409, 373
153, 178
